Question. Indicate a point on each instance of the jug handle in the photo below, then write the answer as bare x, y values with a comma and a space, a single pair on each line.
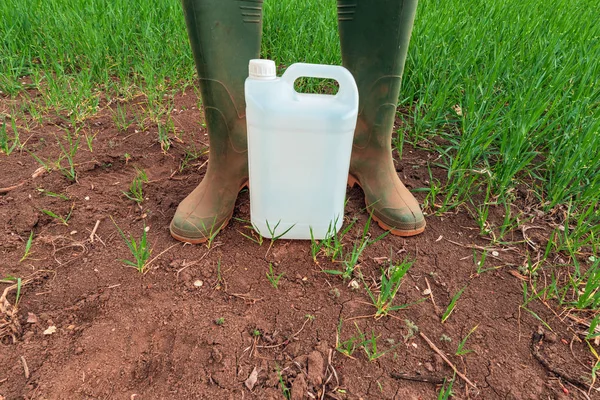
347, 91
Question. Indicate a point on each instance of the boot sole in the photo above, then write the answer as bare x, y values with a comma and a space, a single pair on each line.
352, 181
203, 239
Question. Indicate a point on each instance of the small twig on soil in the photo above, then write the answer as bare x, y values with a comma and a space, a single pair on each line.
35, 174
361, 316
161, 253
438, 311
330, 365
482, 248
436, 380
10, 188
244, 297
94, 231
303, 325
25, 367
441, 354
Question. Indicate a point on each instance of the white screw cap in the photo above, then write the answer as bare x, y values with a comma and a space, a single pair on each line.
262, 69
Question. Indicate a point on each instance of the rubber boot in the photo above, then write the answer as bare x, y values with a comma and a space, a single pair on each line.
374, 37
224, 36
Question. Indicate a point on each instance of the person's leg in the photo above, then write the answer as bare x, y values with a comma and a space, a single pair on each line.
224, 35
374, 36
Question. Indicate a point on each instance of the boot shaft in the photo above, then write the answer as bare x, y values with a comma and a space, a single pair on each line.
375, 35
224, 35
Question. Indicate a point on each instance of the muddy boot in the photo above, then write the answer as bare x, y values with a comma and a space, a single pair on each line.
224, 35
374, 36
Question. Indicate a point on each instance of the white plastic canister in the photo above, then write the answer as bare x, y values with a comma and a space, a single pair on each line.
299, 148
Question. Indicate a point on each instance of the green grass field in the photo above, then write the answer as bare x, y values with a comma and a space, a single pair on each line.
506, 92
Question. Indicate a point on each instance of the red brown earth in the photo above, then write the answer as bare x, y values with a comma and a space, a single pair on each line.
124, 335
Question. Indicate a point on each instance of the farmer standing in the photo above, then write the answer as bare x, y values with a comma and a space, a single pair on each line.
225, 35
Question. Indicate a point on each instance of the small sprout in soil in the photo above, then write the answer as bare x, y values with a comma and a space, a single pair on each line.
89, 139
310, 317
335, 293
27, 247
461, 351
287, 393
5, 146
452, 305
219, 276
592, 332
68, 153
445, 338
274, 279
446, 391
127, 157
219, 321
332, 246
255, 235
256, 332
120, 118
345, 347
43, 163
369, 345
413, 329
52, 194
136, 192
390, 282
61, 219
212, 232
350, 260
140, 250
274, 236
191, 154
163, 133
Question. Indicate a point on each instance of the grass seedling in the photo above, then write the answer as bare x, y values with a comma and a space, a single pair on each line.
369, 345
220, 321
61, 219
345, 347
27, 247
47, 164
452, 305
461, 351
331, 246
593, 331
5, 141
163, 134
274, 279
120, 117
446, 391
52, 194
89, 140
140, 250
255, 235
350, 260
212, 233
191, 154
287, 392
135, 191
391, 279
272, 231
68, 153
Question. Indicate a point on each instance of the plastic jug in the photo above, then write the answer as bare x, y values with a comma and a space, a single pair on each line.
299, 148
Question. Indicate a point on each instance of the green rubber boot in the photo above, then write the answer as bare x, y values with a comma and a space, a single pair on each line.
374, 36
224, 35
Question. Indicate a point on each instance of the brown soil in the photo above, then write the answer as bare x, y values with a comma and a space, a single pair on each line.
120, 334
